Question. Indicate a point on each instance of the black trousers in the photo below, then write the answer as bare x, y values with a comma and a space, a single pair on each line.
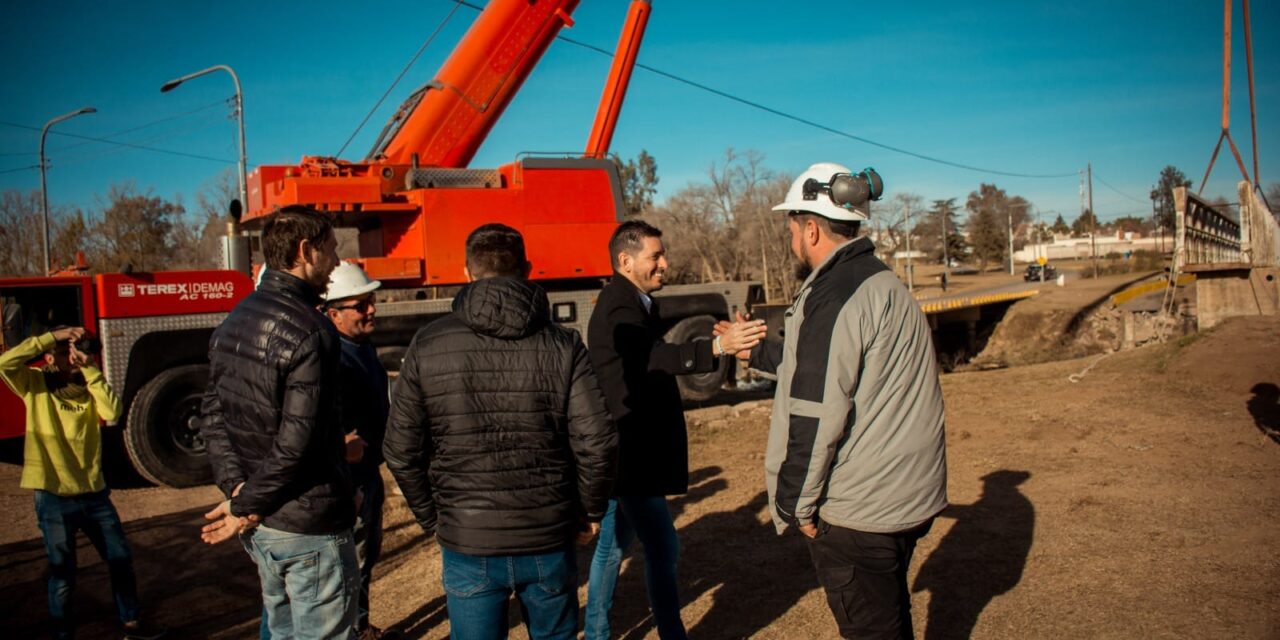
865, 578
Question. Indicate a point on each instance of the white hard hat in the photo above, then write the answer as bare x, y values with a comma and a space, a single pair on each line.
821, 204
348, 280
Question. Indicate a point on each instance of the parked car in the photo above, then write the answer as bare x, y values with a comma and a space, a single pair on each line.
1032, 274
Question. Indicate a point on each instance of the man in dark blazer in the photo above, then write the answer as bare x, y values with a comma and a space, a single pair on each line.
637, 370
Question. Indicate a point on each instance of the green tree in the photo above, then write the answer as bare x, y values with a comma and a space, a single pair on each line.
929, 231
1162, 194
990, 212
1085, 224
1060, 225
639, 178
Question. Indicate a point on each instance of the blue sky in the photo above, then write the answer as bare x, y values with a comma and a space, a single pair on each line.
1039, 88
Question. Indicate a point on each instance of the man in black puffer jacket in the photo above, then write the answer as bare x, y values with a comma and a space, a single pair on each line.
271, 421
500, 441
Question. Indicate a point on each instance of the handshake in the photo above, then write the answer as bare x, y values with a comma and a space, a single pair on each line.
737, 338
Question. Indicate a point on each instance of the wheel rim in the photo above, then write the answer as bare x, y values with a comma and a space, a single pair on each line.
184, 426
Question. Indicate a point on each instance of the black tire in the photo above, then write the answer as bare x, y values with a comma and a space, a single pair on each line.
163, 435
697, 387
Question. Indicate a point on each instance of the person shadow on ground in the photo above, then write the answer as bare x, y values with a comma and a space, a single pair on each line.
981, 557
196, 590
1264, 406
754, 575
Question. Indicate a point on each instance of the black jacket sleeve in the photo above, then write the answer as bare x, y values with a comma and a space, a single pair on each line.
637, 341
227, 472
767, 356
271, 485
407, 444
592, 436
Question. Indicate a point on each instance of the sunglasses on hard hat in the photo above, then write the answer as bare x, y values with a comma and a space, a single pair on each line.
359, 306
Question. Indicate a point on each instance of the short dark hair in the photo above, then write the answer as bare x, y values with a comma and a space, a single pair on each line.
286, 229
834, 229
629, 237
495, 250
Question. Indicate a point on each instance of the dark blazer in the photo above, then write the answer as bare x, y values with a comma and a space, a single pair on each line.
637, 370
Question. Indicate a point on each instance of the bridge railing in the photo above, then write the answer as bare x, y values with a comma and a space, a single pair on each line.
1259, 231
1204, 235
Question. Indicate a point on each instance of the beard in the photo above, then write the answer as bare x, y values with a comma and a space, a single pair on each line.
65, 385
801, 270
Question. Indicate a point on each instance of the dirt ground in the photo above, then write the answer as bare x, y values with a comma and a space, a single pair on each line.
1140, 501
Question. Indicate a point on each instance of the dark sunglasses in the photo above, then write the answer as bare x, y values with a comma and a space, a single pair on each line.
359, 306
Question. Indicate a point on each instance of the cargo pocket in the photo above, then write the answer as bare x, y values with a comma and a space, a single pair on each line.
463, 575
838, 584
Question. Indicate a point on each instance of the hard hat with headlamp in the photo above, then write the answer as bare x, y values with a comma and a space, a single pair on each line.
834, 192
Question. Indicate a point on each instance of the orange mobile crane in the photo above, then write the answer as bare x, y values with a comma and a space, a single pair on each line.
410, 204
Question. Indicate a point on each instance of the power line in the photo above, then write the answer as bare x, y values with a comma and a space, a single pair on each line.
17, 169
122, 144
1108, 185
794, 118
395, 82
87, 156
145, 125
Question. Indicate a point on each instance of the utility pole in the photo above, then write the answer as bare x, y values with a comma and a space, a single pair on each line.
1093, 225
910, 277
1009, 211
946, 259
764, 256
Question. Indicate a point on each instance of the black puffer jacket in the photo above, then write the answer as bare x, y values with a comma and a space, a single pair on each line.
271, 414
498, 426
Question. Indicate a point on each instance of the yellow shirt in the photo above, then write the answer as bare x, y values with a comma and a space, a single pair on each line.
63, 450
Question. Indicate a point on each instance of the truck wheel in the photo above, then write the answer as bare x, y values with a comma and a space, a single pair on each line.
163, 432
697, 386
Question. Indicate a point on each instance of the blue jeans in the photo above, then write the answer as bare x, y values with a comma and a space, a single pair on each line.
60, 518
368, 541
367, 536
477, 589
628, 518
310, 582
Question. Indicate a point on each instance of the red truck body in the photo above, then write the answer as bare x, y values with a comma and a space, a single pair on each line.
411, 202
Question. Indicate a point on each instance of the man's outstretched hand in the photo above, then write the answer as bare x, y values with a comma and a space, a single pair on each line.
737, 338
223, 526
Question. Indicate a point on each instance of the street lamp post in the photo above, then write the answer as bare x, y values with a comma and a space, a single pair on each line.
44, 191
168, 86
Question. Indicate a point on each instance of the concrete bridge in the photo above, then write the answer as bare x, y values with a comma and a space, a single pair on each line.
1236, 261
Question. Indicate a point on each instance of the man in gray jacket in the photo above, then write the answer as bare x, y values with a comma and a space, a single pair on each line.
856, 457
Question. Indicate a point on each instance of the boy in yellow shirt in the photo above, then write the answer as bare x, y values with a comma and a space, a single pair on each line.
62, 462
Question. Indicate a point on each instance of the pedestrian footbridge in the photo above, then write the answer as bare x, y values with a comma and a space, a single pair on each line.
1236, 259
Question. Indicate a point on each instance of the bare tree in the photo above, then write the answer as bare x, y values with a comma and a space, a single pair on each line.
70, 236
199, 238
725, 228
21, 233
135, 230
